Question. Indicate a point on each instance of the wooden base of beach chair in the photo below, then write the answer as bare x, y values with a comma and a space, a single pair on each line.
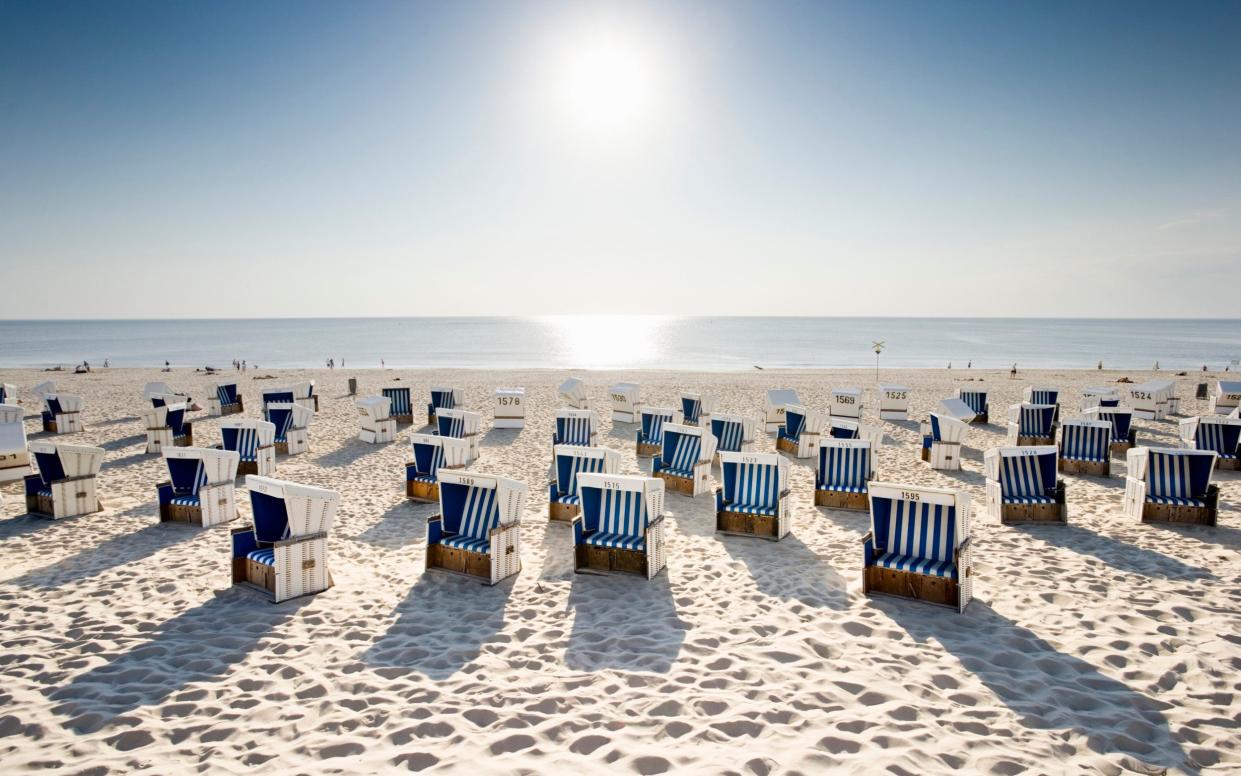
563, 513
180, 513
981, 418
1229, 464
430, 418
746, 524
65, 423
383, 433
471, 564
1168, 513
1033, 513
608, 560
426, 492
293, 446
683, 485
647, 450
838, 499
905, 584
1120, 448
786, 445
1032, 441
261, 577
1091, 468
406, 418
70, 497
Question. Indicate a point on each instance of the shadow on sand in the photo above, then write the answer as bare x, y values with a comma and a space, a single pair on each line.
815, 582
441, 627
196, 646
98, 558
402, 525
1122, 556
623, 622
1047, 689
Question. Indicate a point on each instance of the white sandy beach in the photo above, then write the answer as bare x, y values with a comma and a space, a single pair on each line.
1103, 646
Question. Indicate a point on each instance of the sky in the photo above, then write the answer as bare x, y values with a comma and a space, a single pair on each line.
240, 159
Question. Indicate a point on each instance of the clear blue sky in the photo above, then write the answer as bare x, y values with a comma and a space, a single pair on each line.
874, 158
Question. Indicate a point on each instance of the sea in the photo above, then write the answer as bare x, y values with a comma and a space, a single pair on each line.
627, 342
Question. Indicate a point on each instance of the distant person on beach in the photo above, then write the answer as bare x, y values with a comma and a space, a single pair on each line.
1100, 365
381, 364
1156, 366
1012, 373
105, 364
969, 364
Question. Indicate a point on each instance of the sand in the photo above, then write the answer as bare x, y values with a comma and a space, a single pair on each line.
1103, 646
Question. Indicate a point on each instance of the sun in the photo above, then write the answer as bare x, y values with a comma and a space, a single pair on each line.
604, 79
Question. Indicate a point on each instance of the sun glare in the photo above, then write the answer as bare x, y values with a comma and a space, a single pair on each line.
606, 341
604, 80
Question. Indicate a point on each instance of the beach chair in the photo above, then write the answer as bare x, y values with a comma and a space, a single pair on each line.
573, 394
621, 526
1124, 435
684, 463
576, 427
845, 469
753, 499
1085, 447
696, 409
1152, 400
461, 424
162, 394
254, 441
510, 408
402, 410
62, 414
276, 396
292, 423
199, 487
1225, 397
1031, 424
8, 393
225, 400
846, 403
918, 545
977, 402
375, 418
626, 402
442, 399
777, 400
733, 433
801, 432
304, 394
14, 456
563, 500
431, 454
65, 483
284, 552
651, 433
1022, 485
1172, 486
1219, 434
167, 427
893, 402
843, 428
1049, 396
942, 441
1100, 397
478, 530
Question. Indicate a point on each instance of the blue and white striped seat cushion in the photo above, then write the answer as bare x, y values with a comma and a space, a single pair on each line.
730, 437
566, 498
933, 568
617, 541
45, 492
266, 556
686, 473
1169, 478
423, 478
843, 468
186, 501
1021, 477
470, 543
1029, 500
752, 509
684, 456
755, 485
1179, 501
